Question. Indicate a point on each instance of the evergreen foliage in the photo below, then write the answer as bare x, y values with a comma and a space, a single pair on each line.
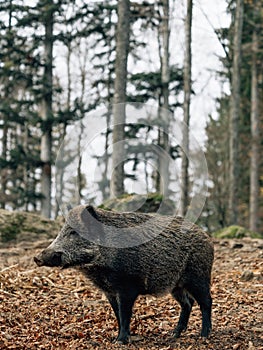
217, 155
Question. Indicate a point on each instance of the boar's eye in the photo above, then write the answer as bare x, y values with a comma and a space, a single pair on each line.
73, 234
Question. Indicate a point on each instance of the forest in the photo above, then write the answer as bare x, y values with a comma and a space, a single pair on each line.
139, 106
68, 65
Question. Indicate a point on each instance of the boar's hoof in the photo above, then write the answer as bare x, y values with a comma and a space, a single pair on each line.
205, 332
177, 332
123, 340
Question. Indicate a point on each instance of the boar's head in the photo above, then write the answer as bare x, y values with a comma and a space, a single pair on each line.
78, 241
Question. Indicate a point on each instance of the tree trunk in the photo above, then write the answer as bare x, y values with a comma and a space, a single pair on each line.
255, 139
163, 139
186, 108
4, 158
46, 114
105, 187
4, 172
26, 168
62, 131
234, 115
122, 49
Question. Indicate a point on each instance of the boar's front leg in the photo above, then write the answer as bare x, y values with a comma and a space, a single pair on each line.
126, 302
122, 307
112, 298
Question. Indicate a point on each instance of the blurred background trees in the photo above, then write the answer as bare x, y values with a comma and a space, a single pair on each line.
59, 62
243, 45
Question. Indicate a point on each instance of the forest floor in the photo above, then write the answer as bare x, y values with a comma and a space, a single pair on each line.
44, 308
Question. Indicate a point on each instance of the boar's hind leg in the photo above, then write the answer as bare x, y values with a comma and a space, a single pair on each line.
186, 302
201, 292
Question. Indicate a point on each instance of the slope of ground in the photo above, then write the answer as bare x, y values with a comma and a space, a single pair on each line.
43, 308
19, 226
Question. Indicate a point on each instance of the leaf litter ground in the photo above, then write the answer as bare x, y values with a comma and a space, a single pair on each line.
43, 308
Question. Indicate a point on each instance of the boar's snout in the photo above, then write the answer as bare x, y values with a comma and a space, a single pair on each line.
49, 258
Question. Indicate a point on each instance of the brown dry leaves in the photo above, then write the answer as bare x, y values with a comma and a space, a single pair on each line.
42, 308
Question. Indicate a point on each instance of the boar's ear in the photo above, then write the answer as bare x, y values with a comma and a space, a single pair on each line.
93, 225
69, 207
89, 209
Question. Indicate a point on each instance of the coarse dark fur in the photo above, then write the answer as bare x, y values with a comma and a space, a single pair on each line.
131, 254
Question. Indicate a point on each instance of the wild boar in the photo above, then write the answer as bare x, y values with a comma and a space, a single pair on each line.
132, 254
